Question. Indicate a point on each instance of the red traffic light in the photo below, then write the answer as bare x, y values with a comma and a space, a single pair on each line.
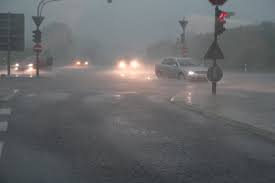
217, 2
222, 16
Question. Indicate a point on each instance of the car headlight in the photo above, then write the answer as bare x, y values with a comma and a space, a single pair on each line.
134, 64
78, 63
86, 63
30, 65
122, 65
191, 73
16, 65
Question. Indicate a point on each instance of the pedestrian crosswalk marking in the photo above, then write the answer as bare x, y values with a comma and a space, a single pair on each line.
3, 126
5, 111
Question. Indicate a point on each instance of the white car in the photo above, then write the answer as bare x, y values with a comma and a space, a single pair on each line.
180, 68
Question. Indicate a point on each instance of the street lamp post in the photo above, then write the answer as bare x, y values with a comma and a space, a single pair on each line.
183, 24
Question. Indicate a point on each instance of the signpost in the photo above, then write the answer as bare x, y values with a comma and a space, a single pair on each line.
12, 34
215, 73
37, 48
215, 53
37, 38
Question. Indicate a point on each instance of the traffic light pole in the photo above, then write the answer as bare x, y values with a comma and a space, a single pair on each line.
214, 84
37, 63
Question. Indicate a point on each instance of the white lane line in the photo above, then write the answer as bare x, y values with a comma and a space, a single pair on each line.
3, 126
5, 111
1, 147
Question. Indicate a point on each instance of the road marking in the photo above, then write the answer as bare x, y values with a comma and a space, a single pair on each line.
5, 111
1, 147
3, 126
127, 92
172, 99
10, 96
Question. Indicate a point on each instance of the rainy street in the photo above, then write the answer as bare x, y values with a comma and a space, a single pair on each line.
92, 125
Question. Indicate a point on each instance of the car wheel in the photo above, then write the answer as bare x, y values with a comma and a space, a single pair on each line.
180, 76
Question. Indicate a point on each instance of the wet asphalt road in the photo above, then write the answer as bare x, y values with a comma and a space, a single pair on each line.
82, 126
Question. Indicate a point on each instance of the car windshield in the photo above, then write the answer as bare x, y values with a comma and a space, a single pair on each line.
186, 63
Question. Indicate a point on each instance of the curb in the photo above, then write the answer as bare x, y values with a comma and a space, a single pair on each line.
235, 123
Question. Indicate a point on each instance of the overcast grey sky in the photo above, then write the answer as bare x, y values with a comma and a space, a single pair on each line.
138, 22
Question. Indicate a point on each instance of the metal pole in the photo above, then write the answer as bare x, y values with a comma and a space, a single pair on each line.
44, 4
38, 7
9, 46
37, 63
214, 84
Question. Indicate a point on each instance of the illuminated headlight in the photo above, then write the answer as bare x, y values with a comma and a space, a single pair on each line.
16, 68
122, 65
86, 63
16, 65
122, 75
78, 63
134, 64
191, 73
30, 65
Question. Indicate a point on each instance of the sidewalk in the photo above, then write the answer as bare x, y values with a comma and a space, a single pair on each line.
246, 100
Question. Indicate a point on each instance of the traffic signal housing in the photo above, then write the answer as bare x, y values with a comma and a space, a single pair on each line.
37, 36
220, 21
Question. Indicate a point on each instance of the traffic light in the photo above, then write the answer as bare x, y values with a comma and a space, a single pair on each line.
36, 36
220, 21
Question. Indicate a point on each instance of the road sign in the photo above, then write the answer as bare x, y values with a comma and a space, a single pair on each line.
214, 52
38, 20
12, 32
214, 73
217, 2
37, 48
184, 51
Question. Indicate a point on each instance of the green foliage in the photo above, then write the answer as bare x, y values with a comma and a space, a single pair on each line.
253, 45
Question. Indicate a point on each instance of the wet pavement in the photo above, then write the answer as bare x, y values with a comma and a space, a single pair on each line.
248, 98
85, 126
